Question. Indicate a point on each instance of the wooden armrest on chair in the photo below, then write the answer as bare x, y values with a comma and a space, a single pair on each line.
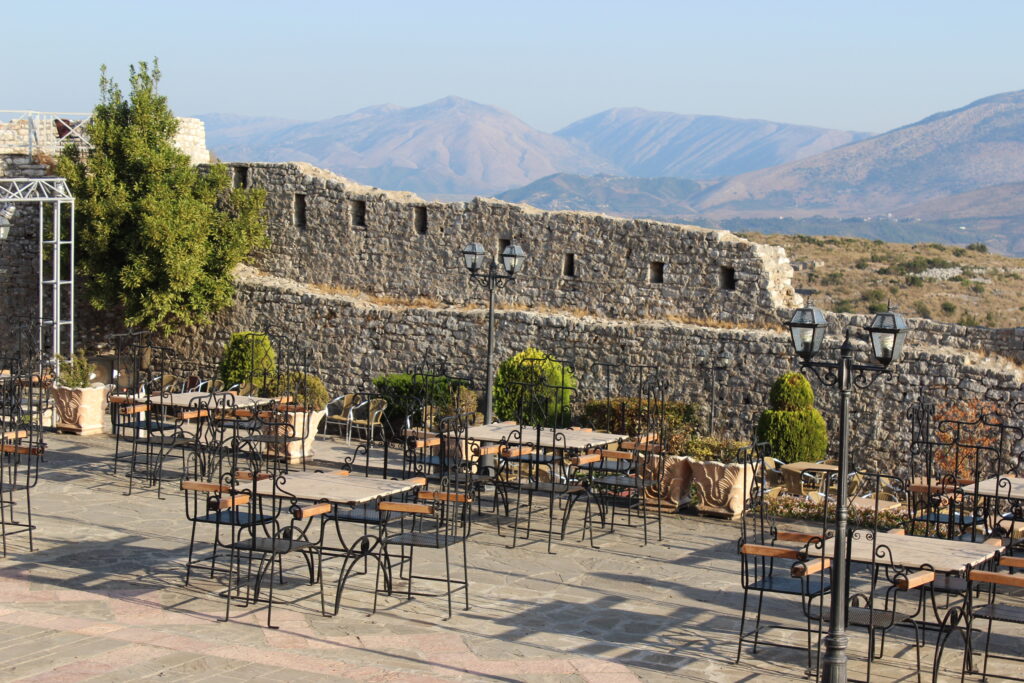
20, 450
493, 449
769, 551
801, 569
915, 580
615, 455
1015, 562
1013, 580
516, 452
230, 502
586, 459
246, 475
411, 508
311, 510
194, 414
133, 409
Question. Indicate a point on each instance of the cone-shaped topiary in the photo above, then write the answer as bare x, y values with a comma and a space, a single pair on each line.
534, 388
249, 358
793, 427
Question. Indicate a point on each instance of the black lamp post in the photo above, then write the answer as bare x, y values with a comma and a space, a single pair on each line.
489, 275
887, 332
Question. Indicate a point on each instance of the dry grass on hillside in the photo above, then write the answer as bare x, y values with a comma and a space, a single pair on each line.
860, 276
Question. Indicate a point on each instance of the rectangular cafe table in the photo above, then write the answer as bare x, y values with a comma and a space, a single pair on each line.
330, 487
184, 399
570, 439
1011, 488
914, 552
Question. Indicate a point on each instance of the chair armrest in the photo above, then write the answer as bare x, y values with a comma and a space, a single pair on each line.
194, 414
586, 459
443, 496
616, 455
133, 409
1015, 562
20, 450
915, 580
769, 551
230, 502
246, 475
1013, 580
493, 449
516, 452
795, 536
311, 510
801, 569
411, 508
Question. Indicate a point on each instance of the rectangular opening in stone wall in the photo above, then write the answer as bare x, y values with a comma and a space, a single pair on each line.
727, 277
569, 265
299, 210
656, 272
358, 213
240, 176
419, 219
501, 247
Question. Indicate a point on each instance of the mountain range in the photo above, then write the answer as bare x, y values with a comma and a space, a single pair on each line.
454, 146
961, 172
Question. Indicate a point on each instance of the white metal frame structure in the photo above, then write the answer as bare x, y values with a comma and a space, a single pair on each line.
67, 128
56, 258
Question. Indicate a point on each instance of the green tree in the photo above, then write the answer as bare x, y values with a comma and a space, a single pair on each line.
534, 387
157, 239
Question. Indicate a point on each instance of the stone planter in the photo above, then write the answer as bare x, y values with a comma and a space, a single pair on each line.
720, 487
303, 422
80, 411
676, 474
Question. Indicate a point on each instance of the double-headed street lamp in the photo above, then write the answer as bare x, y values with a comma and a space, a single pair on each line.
887, 331
488, 275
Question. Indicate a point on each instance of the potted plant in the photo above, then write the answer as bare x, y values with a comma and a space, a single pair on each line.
305, 402
79, 402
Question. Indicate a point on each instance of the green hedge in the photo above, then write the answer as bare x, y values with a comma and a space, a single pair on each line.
406, 394
534, 388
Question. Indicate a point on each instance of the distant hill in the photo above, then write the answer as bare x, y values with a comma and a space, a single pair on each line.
945, 155
608, 194
651, 144
455, 147
451, 146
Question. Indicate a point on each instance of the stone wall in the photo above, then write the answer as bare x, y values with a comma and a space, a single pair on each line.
352, 341
327, 230
191, 139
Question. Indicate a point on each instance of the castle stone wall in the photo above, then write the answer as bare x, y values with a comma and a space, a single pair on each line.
327, 230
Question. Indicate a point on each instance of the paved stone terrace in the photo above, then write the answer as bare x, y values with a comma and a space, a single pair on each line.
102, 598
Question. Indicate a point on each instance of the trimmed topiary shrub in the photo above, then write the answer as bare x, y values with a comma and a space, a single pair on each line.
629, 416
249, 358
793, 427
534, 388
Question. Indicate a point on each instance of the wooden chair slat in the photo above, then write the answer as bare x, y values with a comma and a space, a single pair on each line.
410, 508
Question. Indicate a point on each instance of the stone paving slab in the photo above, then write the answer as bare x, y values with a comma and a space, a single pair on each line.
102, 598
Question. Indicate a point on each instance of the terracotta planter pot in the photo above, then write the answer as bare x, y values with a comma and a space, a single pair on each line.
80, 411
676, 474
720, 487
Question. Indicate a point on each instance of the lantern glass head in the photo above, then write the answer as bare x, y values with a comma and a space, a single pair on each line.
473, 256
888, 331
512, 259
807, 328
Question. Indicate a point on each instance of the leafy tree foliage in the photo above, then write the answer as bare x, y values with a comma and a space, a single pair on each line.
793, 427
156, 238
534, 388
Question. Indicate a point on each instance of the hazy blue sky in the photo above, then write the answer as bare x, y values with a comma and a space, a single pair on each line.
858, 65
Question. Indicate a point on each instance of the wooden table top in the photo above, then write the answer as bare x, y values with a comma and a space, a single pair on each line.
574, 439
915, 552
341, 490
1012, 488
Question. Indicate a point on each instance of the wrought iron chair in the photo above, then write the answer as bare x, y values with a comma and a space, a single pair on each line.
302, 533
438, 520
21, 450
997, 608
775, 561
